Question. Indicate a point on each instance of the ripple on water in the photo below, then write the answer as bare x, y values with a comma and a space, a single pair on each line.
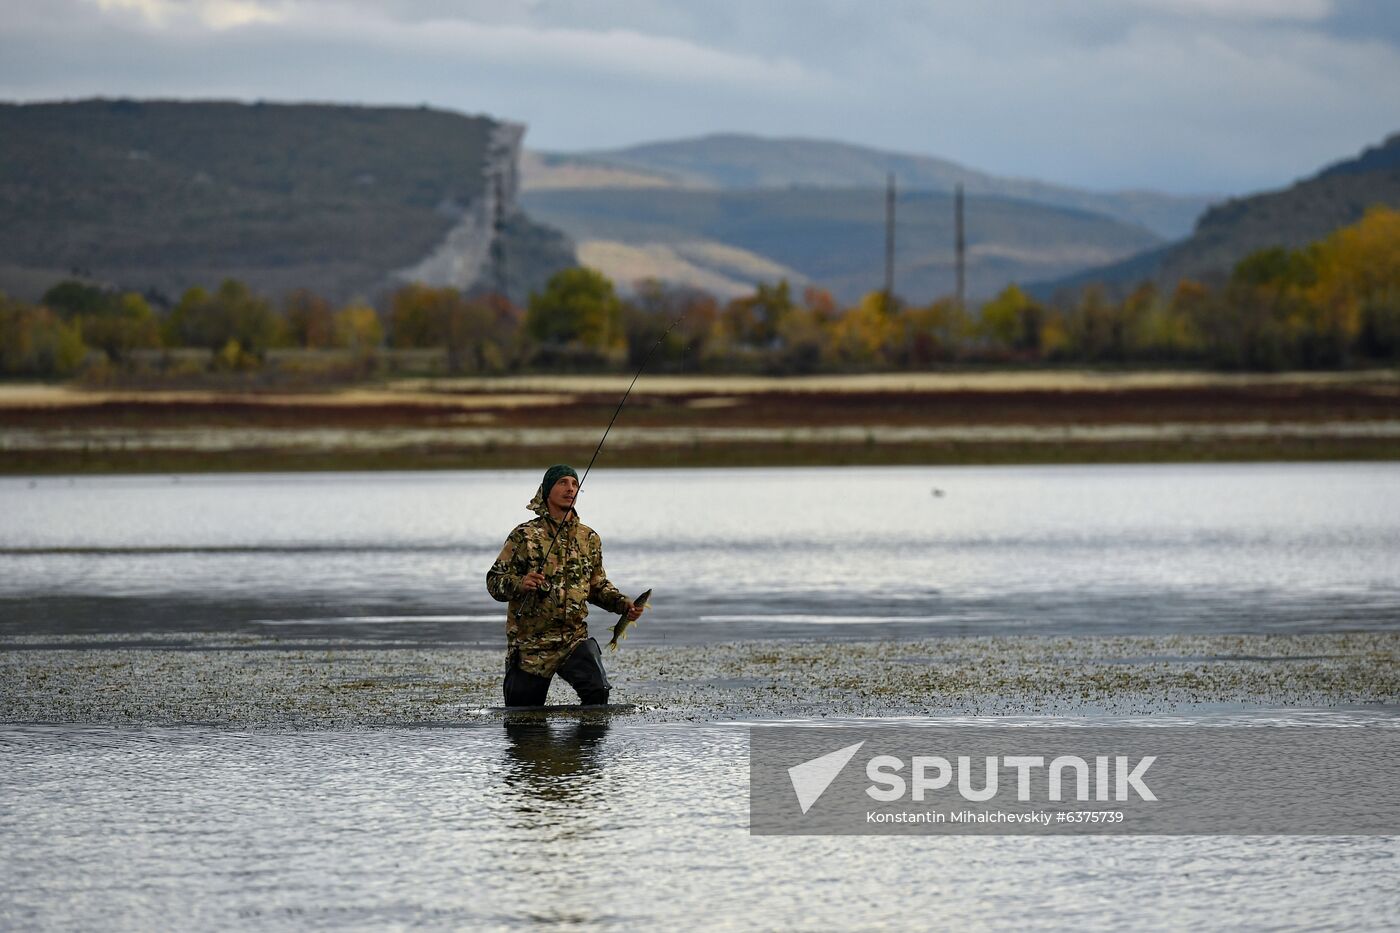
579, 821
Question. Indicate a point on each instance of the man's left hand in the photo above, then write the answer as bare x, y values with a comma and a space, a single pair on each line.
634, 612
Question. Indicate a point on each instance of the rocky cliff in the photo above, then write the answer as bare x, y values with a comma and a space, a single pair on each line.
159, 196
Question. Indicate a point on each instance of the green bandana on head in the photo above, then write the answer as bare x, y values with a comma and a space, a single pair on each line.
551, 476
554, 474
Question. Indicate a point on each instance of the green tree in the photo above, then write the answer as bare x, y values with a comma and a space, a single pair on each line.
1013, 320
577, 307
1098, 330
111, 321
757, 319
1379, 334
1163, 329
131, 325
232, 314
73, 299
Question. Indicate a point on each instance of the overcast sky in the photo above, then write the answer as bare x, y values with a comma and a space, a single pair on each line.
1217, 96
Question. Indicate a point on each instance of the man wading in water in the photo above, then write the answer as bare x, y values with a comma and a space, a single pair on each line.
545, 629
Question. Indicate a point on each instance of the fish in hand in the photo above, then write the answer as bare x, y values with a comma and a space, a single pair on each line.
624, 623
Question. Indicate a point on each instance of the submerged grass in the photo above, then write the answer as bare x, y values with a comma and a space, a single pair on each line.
333, 684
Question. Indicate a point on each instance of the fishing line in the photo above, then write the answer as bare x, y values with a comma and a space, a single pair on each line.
646, 359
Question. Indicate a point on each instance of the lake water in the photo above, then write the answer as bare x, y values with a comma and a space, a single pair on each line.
815, 553
576, 826
635, 825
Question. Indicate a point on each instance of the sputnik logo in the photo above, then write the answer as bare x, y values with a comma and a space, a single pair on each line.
811, 778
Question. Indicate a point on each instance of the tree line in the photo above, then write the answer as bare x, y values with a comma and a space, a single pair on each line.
1335, 303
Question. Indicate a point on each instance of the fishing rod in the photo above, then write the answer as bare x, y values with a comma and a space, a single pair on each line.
646, 359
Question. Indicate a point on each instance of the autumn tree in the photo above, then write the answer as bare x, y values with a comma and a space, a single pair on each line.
357, 328
1354, 298
310, 320
803, 340
680, 318
476, 333
931, 333
864, 334
35, 341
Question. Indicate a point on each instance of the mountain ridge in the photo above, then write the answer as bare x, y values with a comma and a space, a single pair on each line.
739, 160
161, 195
1304, 212
725, 241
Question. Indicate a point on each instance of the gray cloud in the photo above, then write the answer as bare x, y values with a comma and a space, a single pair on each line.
1216, 95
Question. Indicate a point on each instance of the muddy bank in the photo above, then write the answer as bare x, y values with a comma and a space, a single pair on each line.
246, 682
722, 421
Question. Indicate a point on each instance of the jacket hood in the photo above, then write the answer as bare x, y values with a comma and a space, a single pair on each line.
538, 506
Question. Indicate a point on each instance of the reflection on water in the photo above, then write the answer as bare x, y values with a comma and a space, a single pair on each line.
553, 761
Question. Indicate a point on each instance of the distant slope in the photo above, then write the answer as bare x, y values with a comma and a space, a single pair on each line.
726, 240
740, 162
1293, 217
541, 171
165, 195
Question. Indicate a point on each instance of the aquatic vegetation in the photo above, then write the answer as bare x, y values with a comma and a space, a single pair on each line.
254, 684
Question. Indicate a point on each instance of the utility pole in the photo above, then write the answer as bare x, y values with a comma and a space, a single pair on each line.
889, 239
961, 248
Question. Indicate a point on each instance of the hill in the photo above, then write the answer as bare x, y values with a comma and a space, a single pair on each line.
1303, 213
724, 240
740, 161
162, 195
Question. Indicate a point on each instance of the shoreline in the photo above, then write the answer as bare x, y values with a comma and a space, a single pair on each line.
433, 388
1032, 417
121, 463
246, 682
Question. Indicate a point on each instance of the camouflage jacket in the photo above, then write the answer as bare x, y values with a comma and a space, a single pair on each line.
545, 626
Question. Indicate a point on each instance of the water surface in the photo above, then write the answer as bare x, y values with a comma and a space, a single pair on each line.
634, 824
578, 824
824, 553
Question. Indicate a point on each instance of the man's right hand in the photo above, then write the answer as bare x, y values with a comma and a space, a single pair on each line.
532, 580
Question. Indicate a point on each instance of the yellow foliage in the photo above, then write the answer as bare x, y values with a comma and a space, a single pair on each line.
36, 341
1054, 337
863, 332
233, 356
1001, 317
358, 328
1353, 265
